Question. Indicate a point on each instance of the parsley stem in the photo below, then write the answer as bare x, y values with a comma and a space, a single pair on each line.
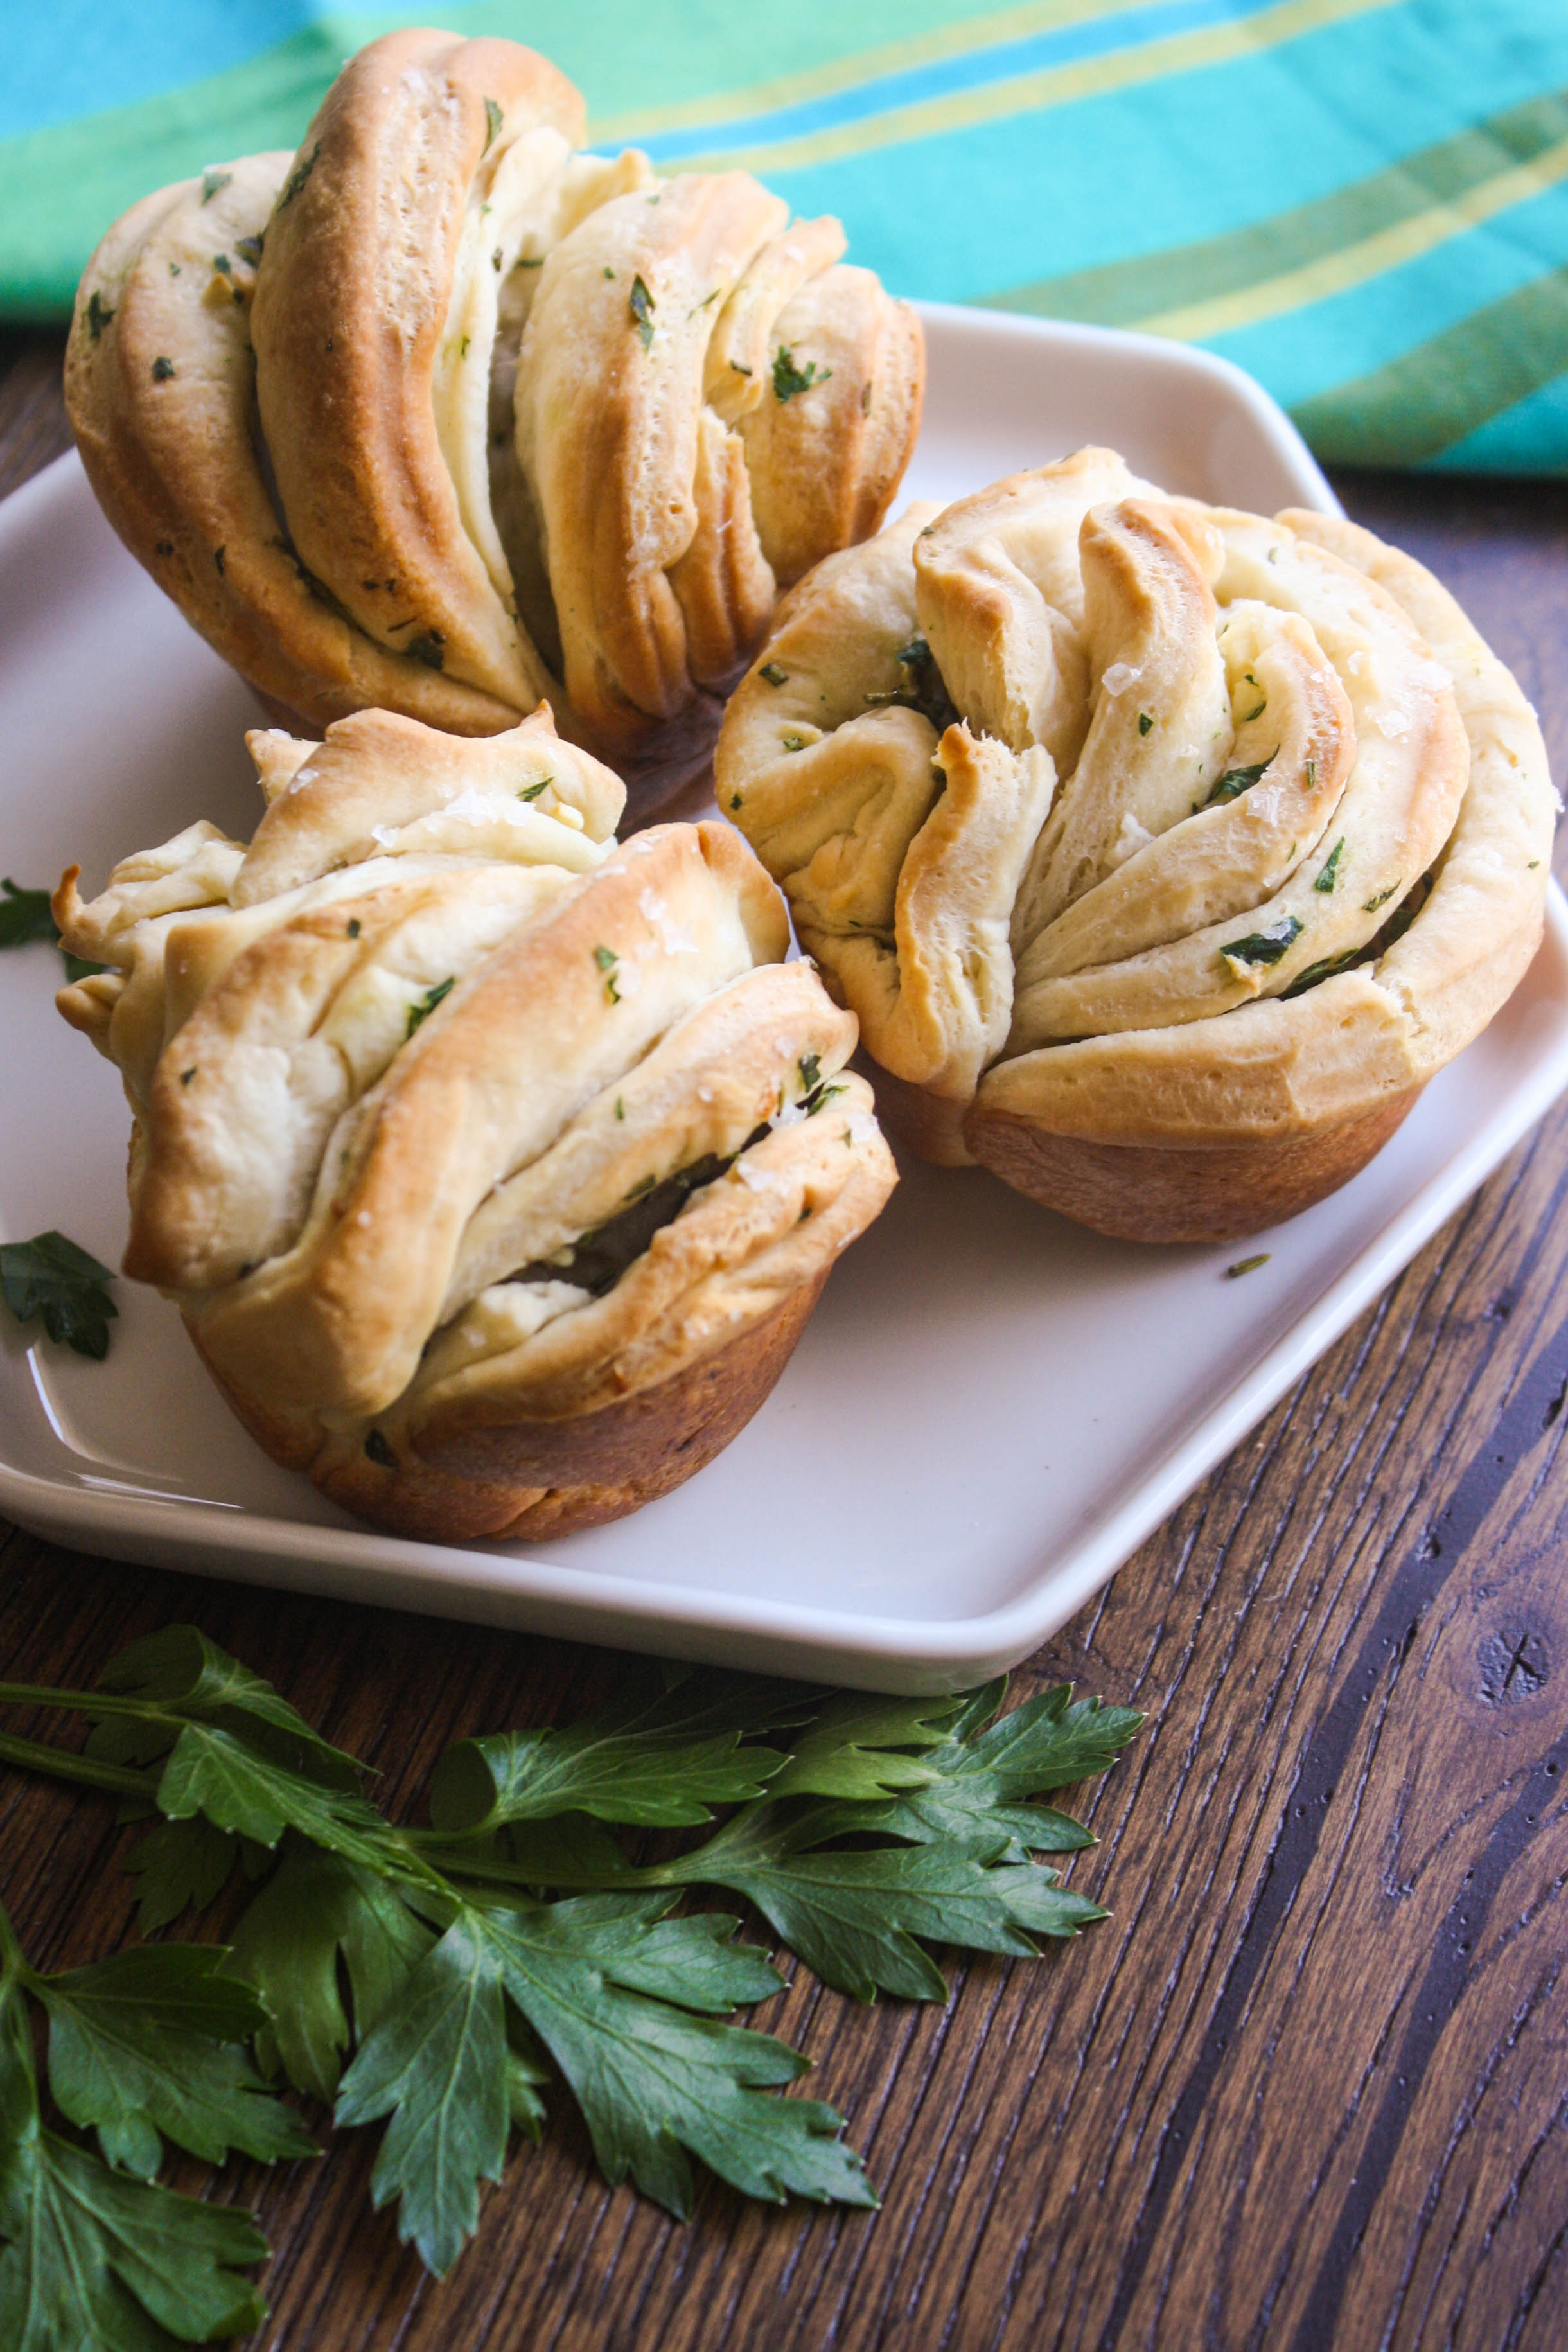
13, 1960
65, 1764
81, 1702
448, 1855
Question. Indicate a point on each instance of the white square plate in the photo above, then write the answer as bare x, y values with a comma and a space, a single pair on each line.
989, 1410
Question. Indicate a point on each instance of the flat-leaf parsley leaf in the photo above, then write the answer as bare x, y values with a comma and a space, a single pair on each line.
438, 1982
55, 1279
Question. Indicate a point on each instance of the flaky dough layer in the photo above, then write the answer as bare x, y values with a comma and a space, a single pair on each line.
456, 1128
1132, 827
441, 415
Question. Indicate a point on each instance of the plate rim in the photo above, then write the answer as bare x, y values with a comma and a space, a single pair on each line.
528, 1590
937, 1651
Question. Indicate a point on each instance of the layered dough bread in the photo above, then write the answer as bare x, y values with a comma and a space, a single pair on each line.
495, 1168
443, 415
1164, 850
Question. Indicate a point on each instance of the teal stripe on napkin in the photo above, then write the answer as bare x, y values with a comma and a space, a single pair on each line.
1365, 202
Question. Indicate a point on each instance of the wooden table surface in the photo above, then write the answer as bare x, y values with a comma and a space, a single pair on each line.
1308, 2087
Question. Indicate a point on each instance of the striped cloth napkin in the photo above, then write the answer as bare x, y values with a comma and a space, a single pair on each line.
1364, 202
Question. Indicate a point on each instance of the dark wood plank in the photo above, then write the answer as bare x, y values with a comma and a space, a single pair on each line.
1306, 2088
33, 427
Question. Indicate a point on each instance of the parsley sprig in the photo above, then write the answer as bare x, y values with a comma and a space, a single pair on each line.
143, 2047
55, 1279
442, 1983
789, 379
26, 916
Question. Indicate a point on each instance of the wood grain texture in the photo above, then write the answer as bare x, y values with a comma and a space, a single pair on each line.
1309, 2086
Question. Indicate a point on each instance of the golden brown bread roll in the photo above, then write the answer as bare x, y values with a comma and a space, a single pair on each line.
494, 1168
441, 415
1164, 850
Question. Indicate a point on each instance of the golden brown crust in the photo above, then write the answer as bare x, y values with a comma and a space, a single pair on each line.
825, 462
339, 1320
159, 387
295, 384
929, 1125
351, 300
609, 403
530, 1480
1181, 1192
1295, 855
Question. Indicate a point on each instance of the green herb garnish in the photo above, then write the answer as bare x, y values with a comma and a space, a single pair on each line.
787, 379
355, 927
532, 791
810, 1067
1264, 947
1237, 781
249, 249
1381, 898
736, 800
513, 1928
773, 674
55, 1279
620, 1107
143, 2047
1313, 974
426, 1005
493, 120
794, 742
25, 916
99, 314
640, 304
1329, 872
1393, 929
426, 645
213, 183
607, 959
298, 177
162, 369
1248, 1264
1145, 722
921, 686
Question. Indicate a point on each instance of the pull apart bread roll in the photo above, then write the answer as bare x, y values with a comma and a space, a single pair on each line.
443, 415
1165, 851
494, 1169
